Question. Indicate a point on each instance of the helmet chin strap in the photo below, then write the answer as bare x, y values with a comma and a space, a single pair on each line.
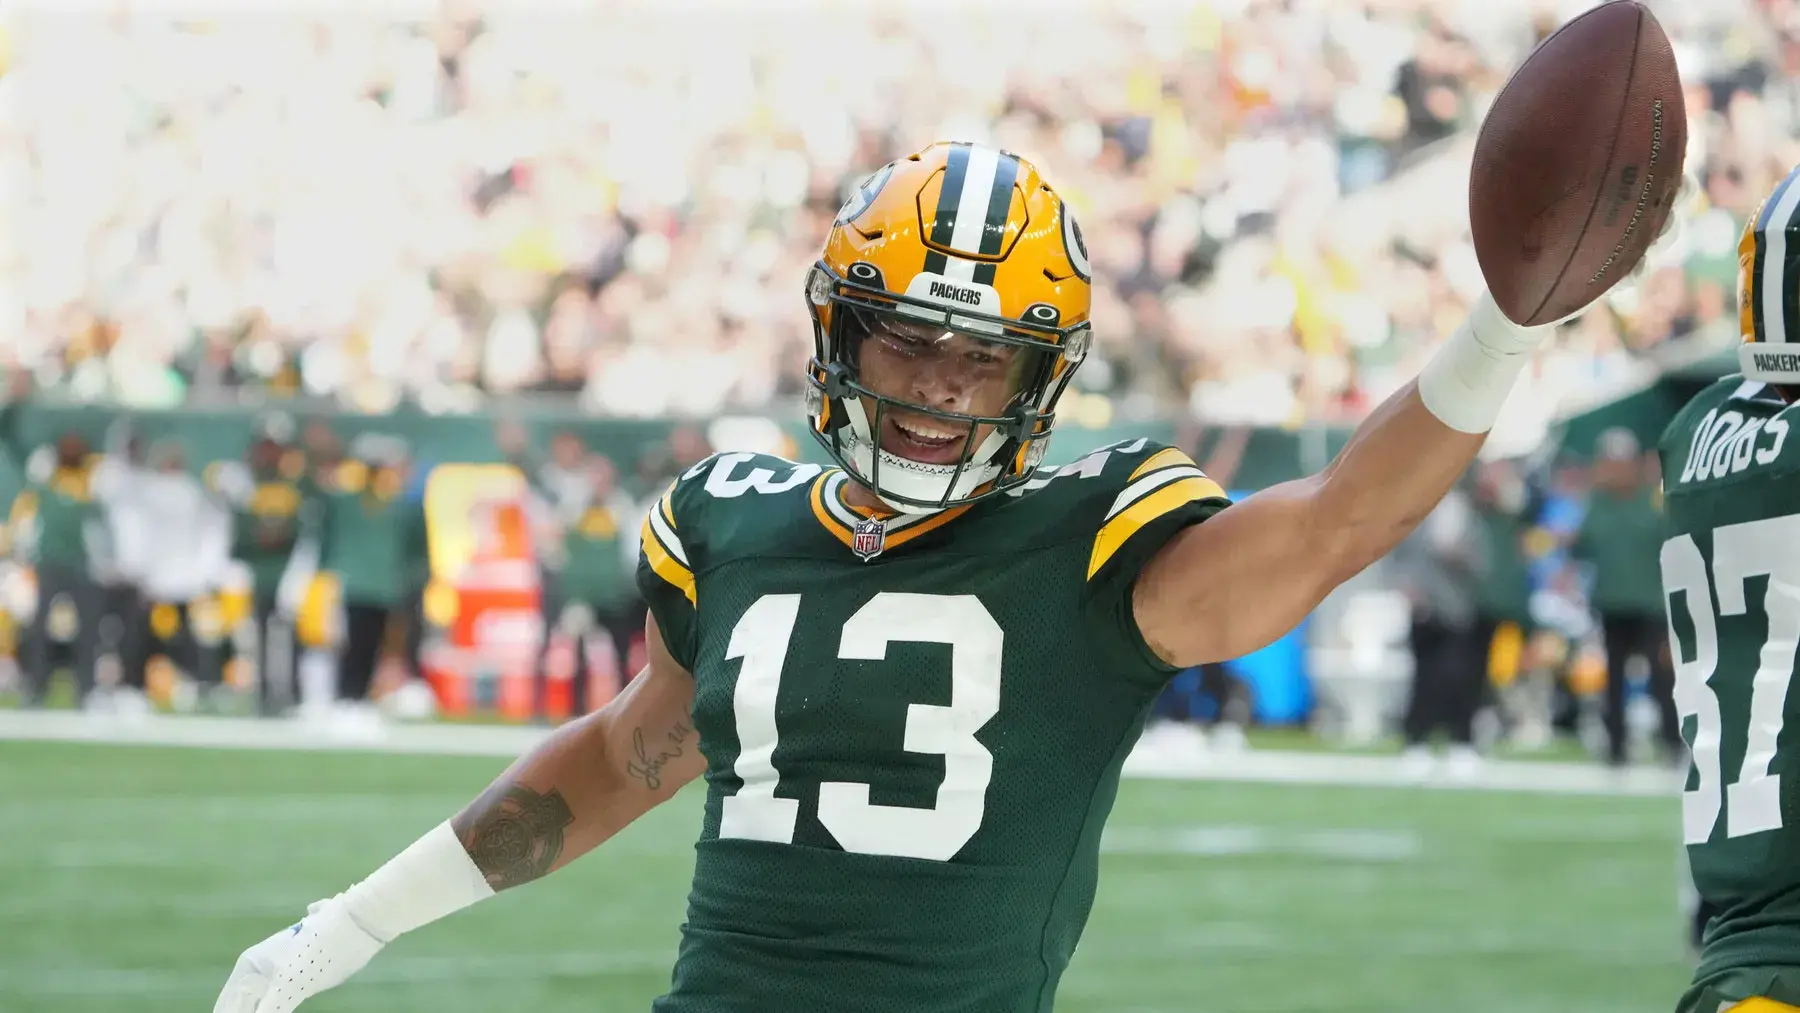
902, 477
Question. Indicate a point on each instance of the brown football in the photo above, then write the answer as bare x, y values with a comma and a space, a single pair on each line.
1577, 165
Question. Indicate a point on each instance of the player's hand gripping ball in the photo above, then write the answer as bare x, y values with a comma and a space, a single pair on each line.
320, 952
1578, 164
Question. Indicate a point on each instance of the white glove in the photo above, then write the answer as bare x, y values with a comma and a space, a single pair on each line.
319, 953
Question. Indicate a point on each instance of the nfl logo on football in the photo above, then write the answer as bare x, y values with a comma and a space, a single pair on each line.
869, 538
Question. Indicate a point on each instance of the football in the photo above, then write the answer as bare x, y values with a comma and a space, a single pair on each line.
1577, 164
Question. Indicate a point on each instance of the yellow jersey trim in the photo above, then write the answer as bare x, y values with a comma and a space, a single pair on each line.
1156, 503
1161, 459
664, 564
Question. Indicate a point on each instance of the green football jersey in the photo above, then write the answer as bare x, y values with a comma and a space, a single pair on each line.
913, 727
1731, 581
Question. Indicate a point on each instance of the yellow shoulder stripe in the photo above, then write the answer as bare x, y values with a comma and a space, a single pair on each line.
1161, 459
667, 506
1117, 531
665, 565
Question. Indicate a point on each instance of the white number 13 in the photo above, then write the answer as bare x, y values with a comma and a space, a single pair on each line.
761, 640
1740, 551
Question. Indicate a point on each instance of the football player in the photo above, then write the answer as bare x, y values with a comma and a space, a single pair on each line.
910, 680
1731, 580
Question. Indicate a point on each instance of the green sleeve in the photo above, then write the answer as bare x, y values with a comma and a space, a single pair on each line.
665, 571
1109, 591
1162, 494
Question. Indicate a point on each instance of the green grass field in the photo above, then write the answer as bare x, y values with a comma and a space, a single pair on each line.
131, 877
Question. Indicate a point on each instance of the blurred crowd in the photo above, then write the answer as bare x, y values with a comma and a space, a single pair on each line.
299, 573
617, 201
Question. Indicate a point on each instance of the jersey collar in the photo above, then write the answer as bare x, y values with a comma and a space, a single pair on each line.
840, 518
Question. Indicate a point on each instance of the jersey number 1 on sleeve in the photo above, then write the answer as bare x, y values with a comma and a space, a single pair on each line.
1740, 551
760, 640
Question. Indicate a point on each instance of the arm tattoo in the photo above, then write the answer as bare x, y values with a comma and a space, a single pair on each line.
514, 834
647, 768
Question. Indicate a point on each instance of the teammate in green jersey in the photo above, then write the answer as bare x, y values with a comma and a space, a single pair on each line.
910, 680
1731, 576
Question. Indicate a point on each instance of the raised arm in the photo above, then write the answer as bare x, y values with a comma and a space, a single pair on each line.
589, 780
585, 783
1234, 584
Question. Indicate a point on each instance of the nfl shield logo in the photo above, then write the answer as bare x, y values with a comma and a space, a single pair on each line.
869, 538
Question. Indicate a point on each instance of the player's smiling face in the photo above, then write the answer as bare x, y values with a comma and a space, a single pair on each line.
949, 371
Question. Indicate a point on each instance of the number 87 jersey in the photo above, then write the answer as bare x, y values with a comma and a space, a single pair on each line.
1731, 581
913, 725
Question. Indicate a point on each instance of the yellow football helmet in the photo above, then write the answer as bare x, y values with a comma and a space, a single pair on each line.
966, 238
1769, 287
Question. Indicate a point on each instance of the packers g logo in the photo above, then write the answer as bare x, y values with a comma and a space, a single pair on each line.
1074, 244
865, 195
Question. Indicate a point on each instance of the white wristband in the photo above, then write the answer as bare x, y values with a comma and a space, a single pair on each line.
1470, 375
433, 877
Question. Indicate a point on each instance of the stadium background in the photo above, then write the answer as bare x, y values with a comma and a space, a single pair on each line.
439, 235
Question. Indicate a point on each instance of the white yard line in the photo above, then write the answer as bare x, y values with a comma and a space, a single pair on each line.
392, 969
1254, 766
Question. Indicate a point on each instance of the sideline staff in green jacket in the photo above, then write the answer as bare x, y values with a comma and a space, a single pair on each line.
374, 541
1620, 538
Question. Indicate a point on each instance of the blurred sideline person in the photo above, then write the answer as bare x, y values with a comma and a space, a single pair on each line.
118, 566
1441, 565
578, 515
373, 544
51, 521
274, 500
185, 562
1503, 509
598, 591
1617, 541
911, 681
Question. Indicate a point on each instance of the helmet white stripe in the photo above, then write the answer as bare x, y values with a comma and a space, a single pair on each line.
959, 269
1775, 278
972, 203
972, 210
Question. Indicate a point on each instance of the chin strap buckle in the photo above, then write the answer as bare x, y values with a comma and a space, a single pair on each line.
837, 381
1024, 424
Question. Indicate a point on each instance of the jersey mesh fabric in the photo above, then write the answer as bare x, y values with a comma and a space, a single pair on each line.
808, 923
1753, 877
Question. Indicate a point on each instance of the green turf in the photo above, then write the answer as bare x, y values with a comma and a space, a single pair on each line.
1293, 739
130, 878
